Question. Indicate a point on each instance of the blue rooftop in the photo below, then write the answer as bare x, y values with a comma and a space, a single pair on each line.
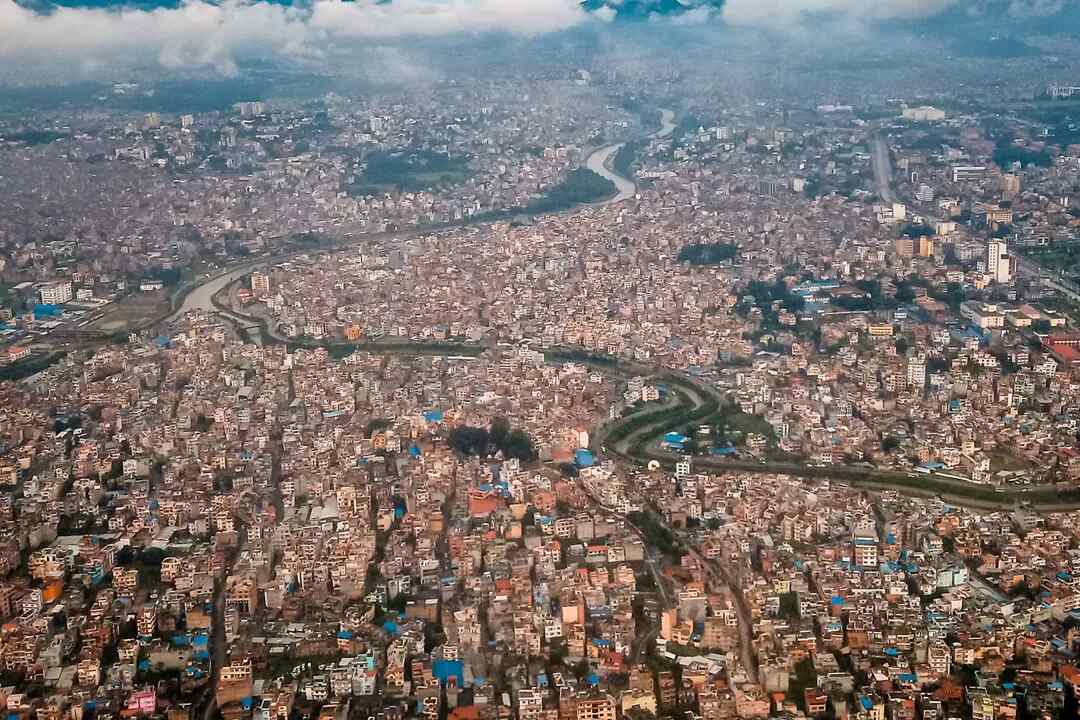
445, 669
584, 458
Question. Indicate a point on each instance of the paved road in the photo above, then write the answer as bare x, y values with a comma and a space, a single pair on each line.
718, 575
217, 648
1058, 281
883, 173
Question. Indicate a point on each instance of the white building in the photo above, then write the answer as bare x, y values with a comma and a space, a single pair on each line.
925, 113
56, 293
997, 262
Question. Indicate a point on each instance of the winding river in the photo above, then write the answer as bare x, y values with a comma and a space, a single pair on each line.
201, 297
600, 161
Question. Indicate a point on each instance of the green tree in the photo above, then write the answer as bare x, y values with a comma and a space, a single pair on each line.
500, 430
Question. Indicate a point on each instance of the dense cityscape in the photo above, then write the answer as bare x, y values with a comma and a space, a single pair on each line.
565, 388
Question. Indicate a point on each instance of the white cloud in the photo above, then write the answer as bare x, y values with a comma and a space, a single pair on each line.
788, 13
370, 18
200, 34
1036, 8
605, 13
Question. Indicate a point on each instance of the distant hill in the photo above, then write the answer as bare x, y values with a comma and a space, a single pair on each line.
1013, 18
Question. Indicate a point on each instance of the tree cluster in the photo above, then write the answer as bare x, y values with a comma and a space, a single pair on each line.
499, 437
708, 253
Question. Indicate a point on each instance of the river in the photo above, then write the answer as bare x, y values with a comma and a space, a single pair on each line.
600, 161
201, 297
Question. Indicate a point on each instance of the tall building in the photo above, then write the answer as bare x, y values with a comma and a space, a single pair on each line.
250, 109
56, 293
997, 261
1010, 185
905, 247
916, 372
260, 283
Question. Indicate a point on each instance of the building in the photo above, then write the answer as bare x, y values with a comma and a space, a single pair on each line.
1064, 347
939, 657
601, 707
56, 293
260, 283
924, 113
998, 264
250, 109
916, 372
1010, 185
866, 550
908, 247
968, 173
984, 315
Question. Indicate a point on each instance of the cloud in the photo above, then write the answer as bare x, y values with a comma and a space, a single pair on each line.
1035, 8
788, 13
207, 35
371, 18
605, 13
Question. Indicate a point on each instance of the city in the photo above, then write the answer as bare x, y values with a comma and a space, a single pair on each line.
558, 385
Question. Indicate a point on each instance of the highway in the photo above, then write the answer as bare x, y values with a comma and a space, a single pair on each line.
1058, 281
883, 173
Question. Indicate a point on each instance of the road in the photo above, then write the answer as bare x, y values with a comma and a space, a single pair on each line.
217, 649
718, 574
1058, 281
883, 173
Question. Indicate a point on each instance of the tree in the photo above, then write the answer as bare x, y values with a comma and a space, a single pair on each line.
518, 445
904, 292
708, 253
469, 440
500, 430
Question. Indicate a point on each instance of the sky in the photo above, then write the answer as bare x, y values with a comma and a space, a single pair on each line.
83, 39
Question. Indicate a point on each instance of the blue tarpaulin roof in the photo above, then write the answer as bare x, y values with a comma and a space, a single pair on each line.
445, 669
583, 458
434, 416
41, 311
